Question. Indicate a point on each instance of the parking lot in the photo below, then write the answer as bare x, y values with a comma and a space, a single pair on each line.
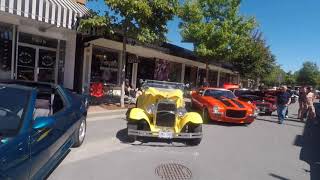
262, 151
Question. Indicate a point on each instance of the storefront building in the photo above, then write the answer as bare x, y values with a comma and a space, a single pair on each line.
103, 62
38, 40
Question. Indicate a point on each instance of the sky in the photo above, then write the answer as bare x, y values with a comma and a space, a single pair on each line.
290, 27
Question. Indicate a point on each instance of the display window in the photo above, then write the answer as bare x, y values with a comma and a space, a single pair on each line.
6, 36
105, 66
146, 69
190, 76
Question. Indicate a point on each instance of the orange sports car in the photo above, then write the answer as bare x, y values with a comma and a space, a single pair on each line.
222, 105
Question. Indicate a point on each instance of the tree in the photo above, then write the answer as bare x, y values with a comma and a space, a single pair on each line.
290, 79
143, 20
219, 33
309, 74
215, 27
255, 61
275, 77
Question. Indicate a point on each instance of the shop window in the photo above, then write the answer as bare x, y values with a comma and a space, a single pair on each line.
175, 72
104, 66
37, 40
213, 76
5, 51
146, 69
61, 61
190, 76
167, 71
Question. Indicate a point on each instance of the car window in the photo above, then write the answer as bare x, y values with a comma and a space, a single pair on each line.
200, 92
13, 104
58, 102
219, 93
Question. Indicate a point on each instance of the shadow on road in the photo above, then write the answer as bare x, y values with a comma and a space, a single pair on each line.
122, 135
278, 177
310, 151
276, 122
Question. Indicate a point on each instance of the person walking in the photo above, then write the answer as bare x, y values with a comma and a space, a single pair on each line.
302, 103
283, 101
311, 112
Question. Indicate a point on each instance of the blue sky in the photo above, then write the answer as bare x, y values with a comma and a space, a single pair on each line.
291, 28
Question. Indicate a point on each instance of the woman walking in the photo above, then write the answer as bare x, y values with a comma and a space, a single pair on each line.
310, 107
302, 103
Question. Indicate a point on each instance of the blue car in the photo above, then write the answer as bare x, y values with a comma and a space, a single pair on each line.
39, 123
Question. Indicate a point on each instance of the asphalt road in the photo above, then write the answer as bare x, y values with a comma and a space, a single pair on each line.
264, 150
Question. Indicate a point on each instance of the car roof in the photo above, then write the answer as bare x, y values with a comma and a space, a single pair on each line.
17, 86
40, 86
29, 83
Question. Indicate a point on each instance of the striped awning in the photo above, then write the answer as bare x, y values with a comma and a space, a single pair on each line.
62, 13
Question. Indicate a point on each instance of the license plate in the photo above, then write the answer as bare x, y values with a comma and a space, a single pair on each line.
165, 134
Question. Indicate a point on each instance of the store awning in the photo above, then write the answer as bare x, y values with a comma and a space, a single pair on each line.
62, 13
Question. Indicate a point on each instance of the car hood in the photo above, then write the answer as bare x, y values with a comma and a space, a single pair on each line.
227, 103
165, 93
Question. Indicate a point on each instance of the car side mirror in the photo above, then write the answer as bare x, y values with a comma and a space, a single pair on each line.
43, 122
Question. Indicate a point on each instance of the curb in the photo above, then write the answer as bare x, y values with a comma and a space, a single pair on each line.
107, 113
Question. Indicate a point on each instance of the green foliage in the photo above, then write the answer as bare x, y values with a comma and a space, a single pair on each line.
219, 33
275, 77
255, 60
309, 74
290, 79
215, 27
144, 20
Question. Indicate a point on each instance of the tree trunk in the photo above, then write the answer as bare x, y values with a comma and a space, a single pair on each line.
123, 65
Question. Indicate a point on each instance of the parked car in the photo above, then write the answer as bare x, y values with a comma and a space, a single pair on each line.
38, 124
161, 115
263, 106
222, 105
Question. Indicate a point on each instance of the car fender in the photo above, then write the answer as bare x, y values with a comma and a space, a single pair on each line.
190, 117
137, 114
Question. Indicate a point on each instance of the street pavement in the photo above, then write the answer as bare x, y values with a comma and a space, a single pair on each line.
264, 150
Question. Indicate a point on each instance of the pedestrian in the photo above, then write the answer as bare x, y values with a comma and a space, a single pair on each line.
205, 83
311, 112
287, 111
302, 103
283, 101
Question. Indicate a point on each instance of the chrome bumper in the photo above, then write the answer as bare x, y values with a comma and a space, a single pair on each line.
141, 133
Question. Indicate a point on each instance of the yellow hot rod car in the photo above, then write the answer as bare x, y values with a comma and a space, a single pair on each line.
160, 114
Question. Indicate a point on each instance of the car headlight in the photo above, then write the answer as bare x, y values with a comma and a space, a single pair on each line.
151, 109
216, 110
181, 111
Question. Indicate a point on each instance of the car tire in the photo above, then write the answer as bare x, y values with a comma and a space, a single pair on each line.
205, 115
80, 133
196, 141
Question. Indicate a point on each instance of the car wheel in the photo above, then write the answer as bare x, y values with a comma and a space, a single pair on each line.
205, 115
80, 133
196, 141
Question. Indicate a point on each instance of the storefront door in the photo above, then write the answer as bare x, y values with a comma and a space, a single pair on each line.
36, 63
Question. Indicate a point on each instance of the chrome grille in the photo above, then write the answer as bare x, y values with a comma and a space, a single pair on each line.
166, 113
236, 113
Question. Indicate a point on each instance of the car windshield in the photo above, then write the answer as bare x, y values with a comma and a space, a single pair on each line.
252, 97
12, 106
163, 85
219, 93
